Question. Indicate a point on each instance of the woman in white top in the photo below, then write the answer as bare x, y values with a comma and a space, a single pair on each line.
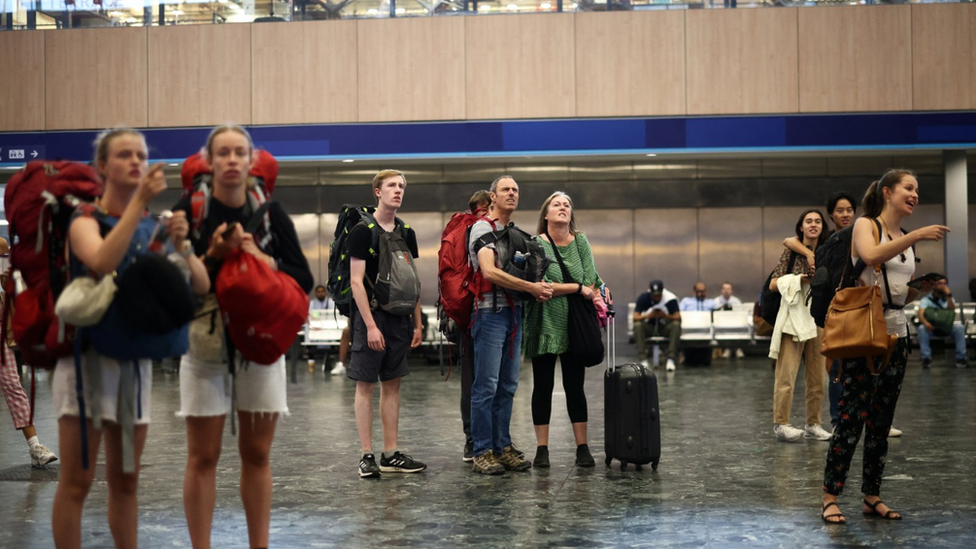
868, 401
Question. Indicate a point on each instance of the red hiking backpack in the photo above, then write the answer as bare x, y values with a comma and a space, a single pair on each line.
263, 308
456, 284
196, 176
39, 201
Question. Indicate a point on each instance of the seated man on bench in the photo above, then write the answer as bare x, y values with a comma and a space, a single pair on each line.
656, 314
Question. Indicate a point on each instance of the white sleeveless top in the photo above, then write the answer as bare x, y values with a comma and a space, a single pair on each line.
899, 274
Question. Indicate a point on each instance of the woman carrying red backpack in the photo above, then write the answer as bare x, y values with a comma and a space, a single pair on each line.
208, 391
121, 158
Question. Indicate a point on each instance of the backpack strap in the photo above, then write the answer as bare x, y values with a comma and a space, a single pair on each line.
884, 271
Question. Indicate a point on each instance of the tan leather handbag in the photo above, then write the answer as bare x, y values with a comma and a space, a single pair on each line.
855, 326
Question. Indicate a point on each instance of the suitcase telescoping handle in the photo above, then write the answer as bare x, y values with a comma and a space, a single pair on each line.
611, 345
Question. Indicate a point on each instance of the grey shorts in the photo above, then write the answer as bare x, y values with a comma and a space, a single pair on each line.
369, 365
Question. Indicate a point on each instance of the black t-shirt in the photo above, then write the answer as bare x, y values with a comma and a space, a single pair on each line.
360, 241
284, 248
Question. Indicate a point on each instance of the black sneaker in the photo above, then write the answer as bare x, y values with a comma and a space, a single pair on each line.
583, 456
541, 457
926, 363
468, 455
368, 468
400, 463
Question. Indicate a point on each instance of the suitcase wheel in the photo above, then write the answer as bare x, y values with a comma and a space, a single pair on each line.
654, 464
608, 461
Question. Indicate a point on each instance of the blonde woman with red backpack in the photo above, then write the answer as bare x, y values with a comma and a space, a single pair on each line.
208, 391
121, 158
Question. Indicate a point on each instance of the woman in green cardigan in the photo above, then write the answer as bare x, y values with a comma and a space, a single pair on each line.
545, 331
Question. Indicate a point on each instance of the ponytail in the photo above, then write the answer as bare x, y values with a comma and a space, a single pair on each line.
873, 202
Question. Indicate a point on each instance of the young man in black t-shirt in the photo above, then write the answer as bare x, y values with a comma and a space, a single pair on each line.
380, 340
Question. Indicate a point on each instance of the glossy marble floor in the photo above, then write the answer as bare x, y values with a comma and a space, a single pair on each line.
724, 481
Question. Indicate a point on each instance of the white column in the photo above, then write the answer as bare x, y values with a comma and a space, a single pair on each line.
957, 218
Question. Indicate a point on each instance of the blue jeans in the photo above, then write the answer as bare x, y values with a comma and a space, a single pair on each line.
834, 390
496, 374
925, 338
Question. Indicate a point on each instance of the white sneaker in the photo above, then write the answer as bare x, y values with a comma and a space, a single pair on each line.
815, 432
787, 433
338, 370
894, 433
670, 366
727, 353
739, 353
41, 456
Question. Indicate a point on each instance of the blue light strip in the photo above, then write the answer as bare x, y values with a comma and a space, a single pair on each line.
572, 137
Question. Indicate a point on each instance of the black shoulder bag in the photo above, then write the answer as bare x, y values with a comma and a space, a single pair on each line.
582, 325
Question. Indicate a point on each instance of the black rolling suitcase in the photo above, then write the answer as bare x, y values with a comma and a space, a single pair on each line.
632, 431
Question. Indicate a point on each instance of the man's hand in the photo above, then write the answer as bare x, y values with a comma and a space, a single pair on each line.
541, 291
418, 337
374, 338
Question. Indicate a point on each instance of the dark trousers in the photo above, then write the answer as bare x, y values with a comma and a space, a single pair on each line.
868, 403
834, 390
543, 381
467, 377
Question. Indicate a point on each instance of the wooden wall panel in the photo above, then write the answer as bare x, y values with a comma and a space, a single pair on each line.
411, 69
304, 73
520, 66
630, 63
943, 46
741, 61
96, 78
855, 59
21, 62
201, 75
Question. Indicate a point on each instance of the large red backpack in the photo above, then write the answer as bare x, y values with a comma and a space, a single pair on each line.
456, 284
196, 176
39, 202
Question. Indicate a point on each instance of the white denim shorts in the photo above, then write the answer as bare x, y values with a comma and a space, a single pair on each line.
205, 388
66, 396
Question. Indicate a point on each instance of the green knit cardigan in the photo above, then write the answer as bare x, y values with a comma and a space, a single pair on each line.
544, 328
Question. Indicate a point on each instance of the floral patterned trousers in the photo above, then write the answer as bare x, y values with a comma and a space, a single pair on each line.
867, 402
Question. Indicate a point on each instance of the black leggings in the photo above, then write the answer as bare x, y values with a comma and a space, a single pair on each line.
543, 377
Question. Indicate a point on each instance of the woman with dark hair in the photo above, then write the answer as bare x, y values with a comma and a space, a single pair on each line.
546, 326
868, 400
795, 335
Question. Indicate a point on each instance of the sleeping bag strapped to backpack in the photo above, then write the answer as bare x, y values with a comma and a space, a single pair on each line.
39, 202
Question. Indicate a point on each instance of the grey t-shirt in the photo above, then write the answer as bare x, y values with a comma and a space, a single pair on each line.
479, 229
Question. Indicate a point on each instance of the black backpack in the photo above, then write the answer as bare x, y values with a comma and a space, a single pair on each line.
338, 283
518, 254
831, 276
769, 300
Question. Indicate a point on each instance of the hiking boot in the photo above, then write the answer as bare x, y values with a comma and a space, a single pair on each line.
468, 455
368, 468
583, 456
541, 457
518, 452
41, 456
511, 461
486, 464
400, 463
787, 433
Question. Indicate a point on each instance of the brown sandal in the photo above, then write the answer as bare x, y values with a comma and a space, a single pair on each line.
874, 511
825, 518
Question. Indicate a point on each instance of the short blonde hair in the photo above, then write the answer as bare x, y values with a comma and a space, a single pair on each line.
386, 174
104, 141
